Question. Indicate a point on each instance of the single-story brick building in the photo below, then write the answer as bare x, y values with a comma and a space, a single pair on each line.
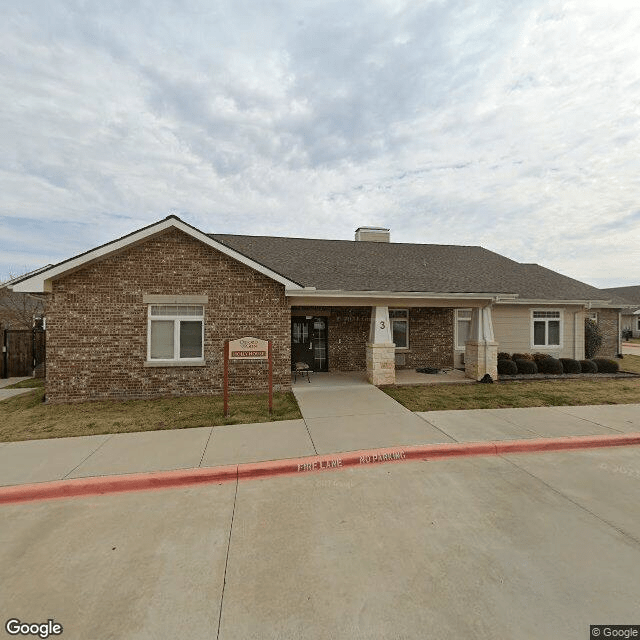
147, 315
630, 318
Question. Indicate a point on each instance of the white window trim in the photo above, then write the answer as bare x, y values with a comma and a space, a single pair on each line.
456, 319
392, 320
175, 361
560, 318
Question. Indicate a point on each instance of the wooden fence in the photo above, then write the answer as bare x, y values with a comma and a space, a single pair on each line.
23, 353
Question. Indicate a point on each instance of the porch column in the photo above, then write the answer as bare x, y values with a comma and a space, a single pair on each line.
481, 350
381, 353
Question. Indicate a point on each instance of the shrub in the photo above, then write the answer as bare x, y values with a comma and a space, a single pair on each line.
606, 366
550, 365
592, 338
504, 356
507, 367
526, 366
540, 356
588, 366
569, 365
522, 356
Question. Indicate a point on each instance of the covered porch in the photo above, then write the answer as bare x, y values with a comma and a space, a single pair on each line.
385, 344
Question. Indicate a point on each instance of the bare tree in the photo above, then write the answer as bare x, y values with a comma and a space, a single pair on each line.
19, 310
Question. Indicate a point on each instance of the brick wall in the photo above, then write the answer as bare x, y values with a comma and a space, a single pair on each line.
608, 323
430, 336
97, 323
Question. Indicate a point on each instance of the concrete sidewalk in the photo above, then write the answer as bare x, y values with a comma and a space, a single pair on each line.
374, 422
5, 393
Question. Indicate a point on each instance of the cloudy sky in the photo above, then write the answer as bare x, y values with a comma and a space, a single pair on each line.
509, 124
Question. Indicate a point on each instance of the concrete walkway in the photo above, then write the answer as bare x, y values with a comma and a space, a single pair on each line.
5, 393
349, 416
632, 348
346, 413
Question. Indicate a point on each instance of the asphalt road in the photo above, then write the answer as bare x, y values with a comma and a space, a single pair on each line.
526, 546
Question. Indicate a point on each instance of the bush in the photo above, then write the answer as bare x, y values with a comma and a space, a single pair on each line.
588, 366
540, 356
507, 367
504, 356
526, 366
592, 338
606, 366
550, 365
569, 365
522, 356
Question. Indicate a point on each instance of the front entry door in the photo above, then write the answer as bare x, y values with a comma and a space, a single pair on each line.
309, 342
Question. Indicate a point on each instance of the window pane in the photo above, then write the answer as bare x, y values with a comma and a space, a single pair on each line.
399, 333
538, 333
398, 313
464, 329
162, 339
554, 332
191, 339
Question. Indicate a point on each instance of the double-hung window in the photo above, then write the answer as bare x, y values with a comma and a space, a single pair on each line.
399, 319
463, 327
547, 328
175, 333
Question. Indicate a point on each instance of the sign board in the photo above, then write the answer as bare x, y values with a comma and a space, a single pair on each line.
248, 349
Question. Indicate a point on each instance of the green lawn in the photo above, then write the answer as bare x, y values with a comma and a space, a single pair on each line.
630, 363
518, 394
26, 417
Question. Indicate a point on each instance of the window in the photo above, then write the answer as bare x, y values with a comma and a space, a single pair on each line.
463, 327
175, 332
546, 329
638, 324
399, 319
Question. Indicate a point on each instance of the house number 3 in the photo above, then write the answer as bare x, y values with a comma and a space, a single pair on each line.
382, 324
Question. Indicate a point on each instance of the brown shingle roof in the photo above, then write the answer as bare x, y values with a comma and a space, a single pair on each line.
630, 295
378, 266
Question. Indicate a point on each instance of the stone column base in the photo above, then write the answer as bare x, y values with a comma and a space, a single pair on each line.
381, 363
480, 358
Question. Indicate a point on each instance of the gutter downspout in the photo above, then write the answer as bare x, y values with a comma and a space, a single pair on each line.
620, 332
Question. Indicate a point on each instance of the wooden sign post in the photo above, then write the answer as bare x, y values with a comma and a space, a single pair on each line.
247, 349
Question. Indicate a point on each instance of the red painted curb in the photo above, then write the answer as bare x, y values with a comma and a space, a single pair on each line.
296, 466
115, 484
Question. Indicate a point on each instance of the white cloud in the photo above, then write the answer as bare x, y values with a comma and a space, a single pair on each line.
514, 127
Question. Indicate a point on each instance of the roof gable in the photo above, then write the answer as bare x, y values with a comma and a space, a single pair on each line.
42, 279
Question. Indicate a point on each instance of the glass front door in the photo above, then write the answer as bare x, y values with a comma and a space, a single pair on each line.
309, 342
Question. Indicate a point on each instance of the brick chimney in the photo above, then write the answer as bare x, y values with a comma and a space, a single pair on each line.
373, 234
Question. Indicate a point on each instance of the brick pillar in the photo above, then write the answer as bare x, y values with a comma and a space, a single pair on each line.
381, 353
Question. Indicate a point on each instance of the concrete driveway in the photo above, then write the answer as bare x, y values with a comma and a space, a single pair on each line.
519, 547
